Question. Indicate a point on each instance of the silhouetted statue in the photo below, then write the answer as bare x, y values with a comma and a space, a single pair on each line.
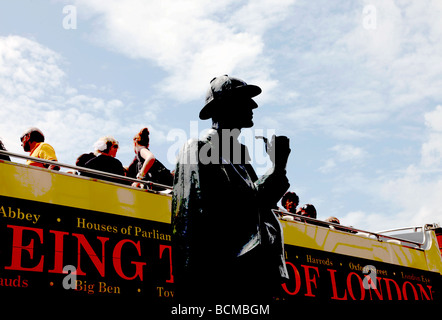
228, 243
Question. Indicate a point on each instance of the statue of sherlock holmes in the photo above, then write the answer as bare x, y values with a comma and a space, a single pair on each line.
228, 244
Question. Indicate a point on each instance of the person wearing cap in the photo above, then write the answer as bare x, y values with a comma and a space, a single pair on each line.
228, 243
32, 141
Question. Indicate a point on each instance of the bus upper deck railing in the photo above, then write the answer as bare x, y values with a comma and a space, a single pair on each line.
380, 236
377, 235
414, 231
124, 180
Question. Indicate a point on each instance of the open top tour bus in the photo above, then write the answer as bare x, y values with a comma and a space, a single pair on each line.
62, 234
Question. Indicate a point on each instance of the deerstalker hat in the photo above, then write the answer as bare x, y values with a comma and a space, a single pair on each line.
223, 87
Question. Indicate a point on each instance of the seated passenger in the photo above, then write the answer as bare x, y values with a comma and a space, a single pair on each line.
307, 210
106, 149
290, 201
148, 167
81, 160
333, 220
85, 157
32, 141
336, 221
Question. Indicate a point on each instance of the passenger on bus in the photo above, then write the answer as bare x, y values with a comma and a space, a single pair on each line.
146, 166
3, 157
333, 220
290, 201
81, 160
106, 149
32, 141
336, 221
85, 157
307, 210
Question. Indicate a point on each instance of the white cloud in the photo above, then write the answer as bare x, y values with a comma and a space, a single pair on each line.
432, 149
368, 221
193, 41
355, 82
417, 195
34, 91
345, 154
329, 164
407, 197
381, 44
433, 119
415, 192
27, 69
403, 49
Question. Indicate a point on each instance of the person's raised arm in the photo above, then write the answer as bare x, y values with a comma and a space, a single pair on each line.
149, 160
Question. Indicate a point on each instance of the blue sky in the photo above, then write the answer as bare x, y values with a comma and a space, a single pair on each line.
356, 85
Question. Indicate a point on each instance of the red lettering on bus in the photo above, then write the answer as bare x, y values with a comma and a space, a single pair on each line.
334, 288
297, 280
162, 248
116, 257
18, 247
350, 287
309, 280
58, 254
422, 291
99, 264
398, 290
404, 290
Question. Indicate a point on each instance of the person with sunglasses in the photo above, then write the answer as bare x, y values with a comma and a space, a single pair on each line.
106, 149
32, 141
